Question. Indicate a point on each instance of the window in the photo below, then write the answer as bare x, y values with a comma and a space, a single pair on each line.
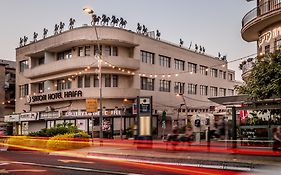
192, 67
80, 51
41, 87
267, 49
222, 92
114, 80
114, 51
277, 45
23, 90
213, 91
96, 50
96, 80
179, 64
179, 87
214, 72
165, 61
80, 82
147, 57
63, 84
41, 61
165, 86
64, 55
203, 90
110, 51
107, 80
87, 81
147, 83
84, 51
87, 50
23, 65
107, 51
221, 74
192, 89
203, 70
230, 92
230, 76
224, 75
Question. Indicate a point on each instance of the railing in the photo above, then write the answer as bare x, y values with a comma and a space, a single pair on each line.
262, 9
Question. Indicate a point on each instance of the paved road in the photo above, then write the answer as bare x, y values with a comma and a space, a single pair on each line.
37, 163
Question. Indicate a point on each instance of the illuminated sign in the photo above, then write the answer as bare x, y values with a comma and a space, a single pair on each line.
31, 116
89, 114
267, 36
54, 96
12, 118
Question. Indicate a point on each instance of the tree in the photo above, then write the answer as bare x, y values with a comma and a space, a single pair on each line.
264, 80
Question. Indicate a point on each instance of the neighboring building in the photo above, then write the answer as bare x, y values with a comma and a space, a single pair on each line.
7, 90
262, 25
57, 74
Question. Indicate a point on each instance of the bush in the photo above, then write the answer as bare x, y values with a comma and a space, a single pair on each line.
58, 130
129, 132
69, 141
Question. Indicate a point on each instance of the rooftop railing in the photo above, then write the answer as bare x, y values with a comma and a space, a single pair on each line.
262, 9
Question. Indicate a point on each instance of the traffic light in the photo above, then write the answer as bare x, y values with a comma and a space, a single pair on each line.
164, 117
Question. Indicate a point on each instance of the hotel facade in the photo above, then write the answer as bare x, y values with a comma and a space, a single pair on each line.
57, 74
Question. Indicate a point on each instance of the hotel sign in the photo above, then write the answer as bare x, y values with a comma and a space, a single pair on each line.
50, 115
95, 114
267, 36
12, 118
31, 116
54, 96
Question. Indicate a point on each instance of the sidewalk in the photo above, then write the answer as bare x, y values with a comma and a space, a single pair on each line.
191, 155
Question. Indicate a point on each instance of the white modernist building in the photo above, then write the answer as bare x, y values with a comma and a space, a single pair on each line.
57, 74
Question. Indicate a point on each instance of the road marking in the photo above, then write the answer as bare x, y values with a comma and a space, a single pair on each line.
72, 168
74, 161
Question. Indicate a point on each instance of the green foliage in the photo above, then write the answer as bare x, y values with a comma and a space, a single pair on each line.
69, 141
264, 80
129, 132
59, 129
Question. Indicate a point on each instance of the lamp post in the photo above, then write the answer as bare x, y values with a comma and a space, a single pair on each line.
91, 12
183, 99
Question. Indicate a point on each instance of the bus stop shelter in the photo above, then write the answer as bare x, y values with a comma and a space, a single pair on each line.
243, 102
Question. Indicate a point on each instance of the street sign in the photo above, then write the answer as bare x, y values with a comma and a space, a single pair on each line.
91, 105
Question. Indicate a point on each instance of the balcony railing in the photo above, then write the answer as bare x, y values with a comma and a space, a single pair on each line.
261, 10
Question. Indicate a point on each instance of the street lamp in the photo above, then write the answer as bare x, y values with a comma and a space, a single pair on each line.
183, 99
179, 109
91, 12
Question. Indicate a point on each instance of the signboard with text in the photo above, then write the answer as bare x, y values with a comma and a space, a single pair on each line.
91, 105
31, 116
12, 118
54, 96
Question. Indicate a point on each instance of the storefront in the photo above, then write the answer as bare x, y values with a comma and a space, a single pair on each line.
13, 124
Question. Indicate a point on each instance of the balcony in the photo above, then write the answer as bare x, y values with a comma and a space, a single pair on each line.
246, 67
75, 63
259, 18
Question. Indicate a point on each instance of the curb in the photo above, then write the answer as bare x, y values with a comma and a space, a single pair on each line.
224, 165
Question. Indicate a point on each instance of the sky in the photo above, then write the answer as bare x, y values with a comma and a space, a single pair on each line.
214, 24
